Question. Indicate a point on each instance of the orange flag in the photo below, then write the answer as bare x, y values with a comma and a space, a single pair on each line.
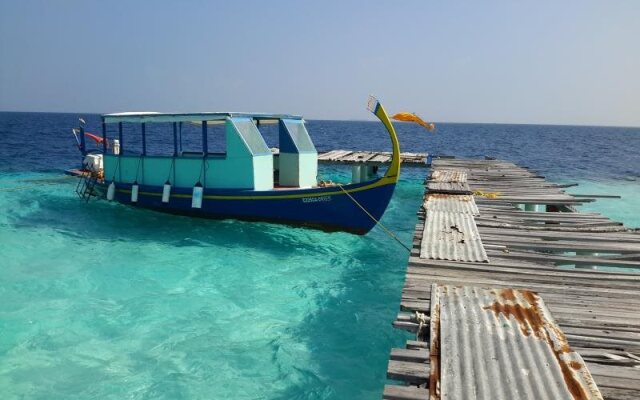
411, 117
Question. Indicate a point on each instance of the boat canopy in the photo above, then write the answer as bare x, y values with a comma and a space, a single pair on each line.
143, 117
246, 163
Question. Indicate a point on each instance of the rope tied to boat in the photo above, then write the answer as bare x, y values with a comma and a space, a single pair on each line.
386, 230
137, 168
115, 170
204, 167
173, 163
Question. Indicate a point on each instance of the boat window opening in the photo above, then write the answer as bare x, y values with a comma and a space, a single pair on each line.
159, 139
191, 140
131, 137
217, 143
269, 133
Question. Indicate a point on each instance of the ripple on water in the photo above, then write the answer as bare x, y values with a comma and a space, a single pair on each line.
141, 305
105, 301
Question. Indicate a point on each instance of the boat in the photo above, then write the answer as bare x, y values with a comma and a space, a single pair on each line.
246, 182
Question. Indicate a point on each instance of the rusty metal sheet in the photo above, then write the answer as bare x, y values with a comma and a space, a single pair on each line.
451, 236
449, 175
504, 344
464, 204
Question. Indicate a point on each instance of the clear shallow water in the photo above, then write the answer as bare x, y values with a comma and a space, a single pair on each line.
105, 301
626, 209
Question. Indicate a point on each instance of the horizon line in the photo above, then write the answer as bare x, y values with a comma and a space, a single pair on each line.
366, 120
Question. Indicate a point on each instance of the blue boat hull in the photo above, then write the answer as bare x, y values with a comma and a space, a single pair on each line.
328, 208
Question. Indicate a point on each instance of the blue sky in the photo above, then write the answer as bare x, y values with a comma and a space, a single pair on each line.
569, 62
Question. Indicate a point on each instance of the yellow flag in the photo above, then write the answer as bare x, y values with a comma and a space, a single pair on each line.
411, 117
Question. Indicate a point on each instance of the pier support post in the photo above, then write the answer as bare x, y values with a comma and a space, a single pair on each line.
366, 172
586, 254
356, 173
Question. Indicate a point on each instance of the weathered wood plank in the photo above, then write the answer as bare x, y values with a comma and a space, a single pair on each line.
410, 372
410, 355
395, 392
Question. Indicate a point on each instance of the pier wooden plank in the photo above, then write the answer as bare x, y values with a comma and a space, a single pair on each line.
411, 372
394, 392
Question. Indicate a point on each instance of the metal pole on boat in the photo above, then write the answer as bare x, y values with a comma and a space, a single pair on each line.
205, 149
120, 135
175, 139
144, 139
83, 145
180, 135
104, 137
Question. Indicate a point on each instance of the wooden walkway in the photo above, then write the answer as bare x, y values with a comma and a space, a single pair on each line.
368, 157
558, 255
371, 157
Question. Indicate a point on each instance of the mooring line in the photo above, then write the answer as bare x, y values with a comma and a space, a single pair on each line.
386, 230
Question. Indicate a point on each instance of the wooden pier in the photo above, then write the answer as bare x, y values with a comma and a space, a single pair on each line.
371, 157
348, 157
508, 303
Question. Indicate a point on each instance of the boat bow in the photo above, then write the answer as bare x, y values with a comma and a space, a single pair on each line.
393, 172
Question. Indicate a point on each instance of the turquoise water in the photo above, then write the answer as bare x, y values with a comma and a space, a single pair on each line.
141, 306
626, 209
102, 301
106, 301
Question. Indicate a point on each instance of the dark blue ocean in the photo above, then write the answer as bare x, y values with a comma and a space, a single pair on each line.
103, 301
559, 152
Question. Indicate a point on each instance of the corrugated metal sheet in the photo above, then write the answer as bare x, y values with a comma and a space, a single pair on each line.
449, 175
449, 187
464, 204
451, 236
504, 344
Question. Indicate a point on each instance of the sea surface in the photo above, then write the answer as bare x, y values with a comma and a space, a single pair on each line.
103, 301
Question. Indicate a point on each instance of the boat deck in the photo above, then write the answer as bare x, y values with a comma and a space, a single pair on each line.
507, 303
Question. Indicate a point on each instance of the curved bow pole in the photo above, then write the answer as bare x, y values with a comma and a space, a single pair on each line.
393, 172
